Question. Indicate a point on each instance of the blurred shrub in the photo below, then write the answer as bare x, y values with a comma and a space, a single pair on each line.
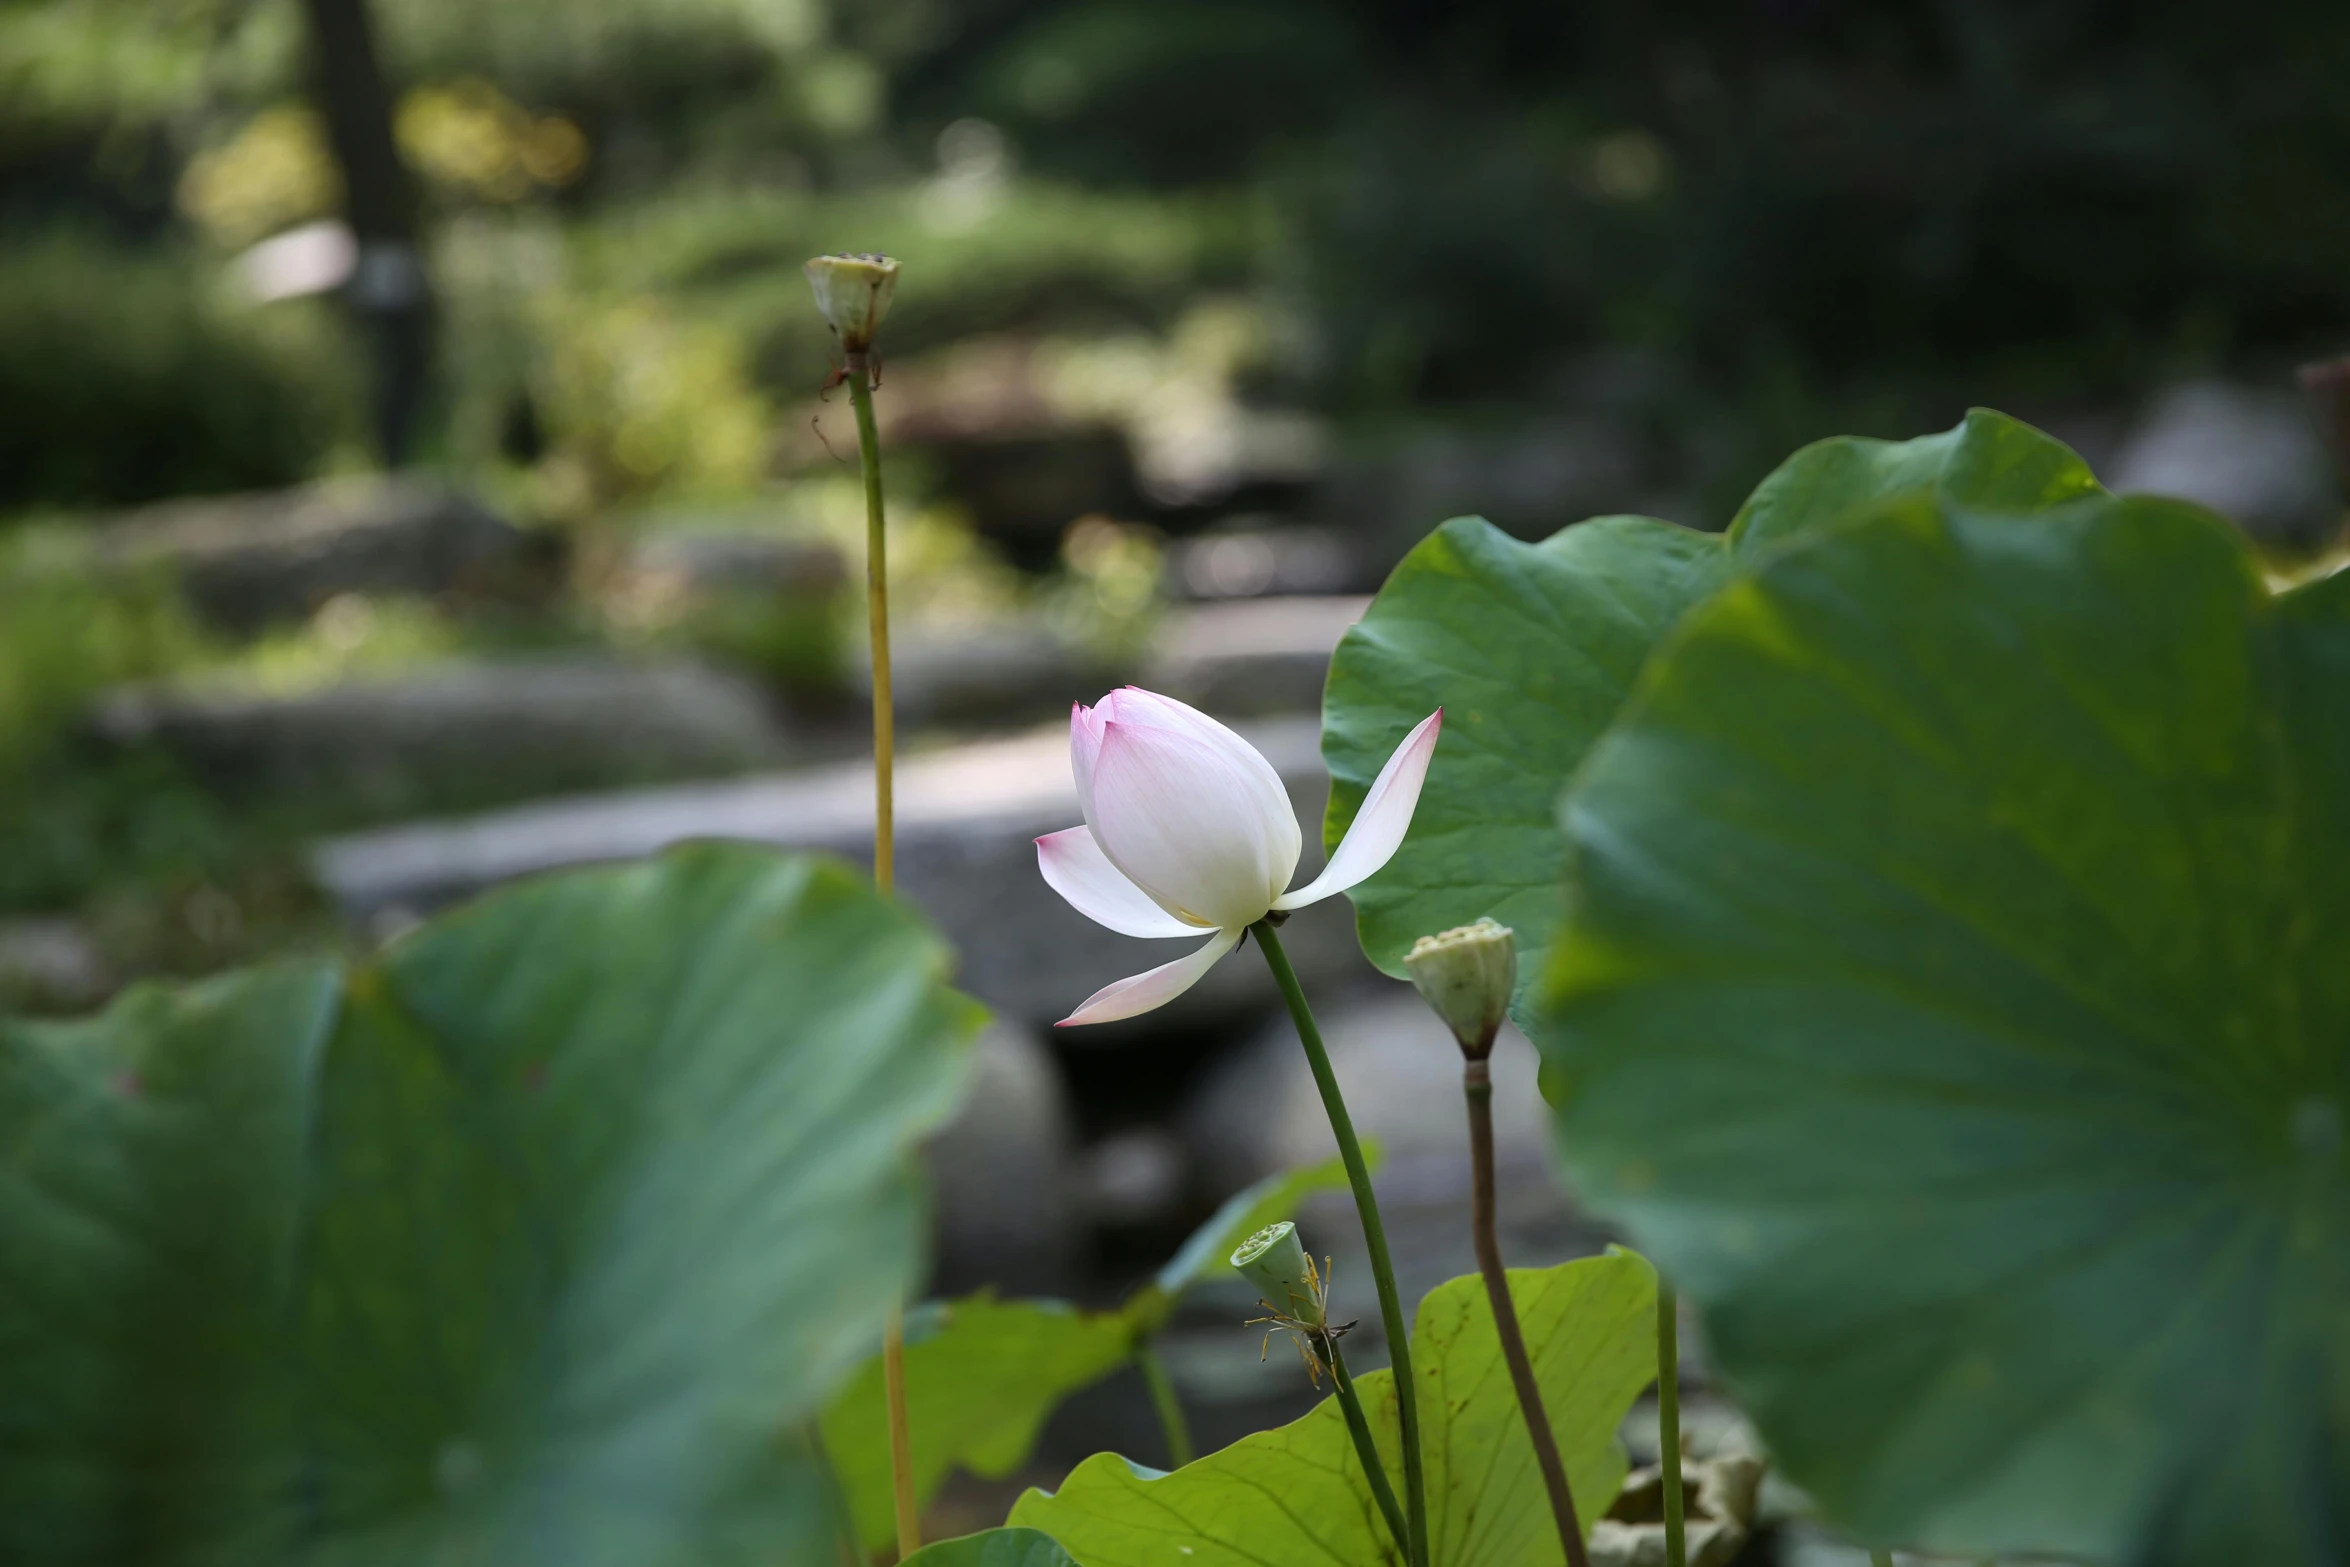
736, 85
641, 400
468, 138
65, 635
274, 172
796, 647
469, 143
1023, 254
124, 378
1169, 91
71, 67
1105, 597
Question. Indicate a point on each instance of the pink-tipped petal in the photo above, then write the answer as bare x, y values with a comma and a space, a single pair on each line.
1181, 818
1075, 867
1378, 828
1131, 997
1085, 743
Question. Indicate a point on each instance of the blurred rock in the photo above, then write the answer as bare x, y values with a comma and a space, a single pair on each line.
1258, 1111
1529, 481
1023, 491
246, 560
51, 964
2251, 454
1031, 434
988, 388
1134, 1176
1017, 672
1005, 442
458, 731
1000, 1174
1247, 562
694, 562
2325, 390
1719, 1498
1251, 656
967, 820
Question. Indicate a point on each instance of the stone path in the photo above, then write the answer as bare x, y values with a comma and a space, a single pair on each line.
967, 818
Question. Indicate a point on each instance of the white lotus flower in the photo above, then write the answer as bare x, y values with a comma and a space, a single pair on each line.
1188, 832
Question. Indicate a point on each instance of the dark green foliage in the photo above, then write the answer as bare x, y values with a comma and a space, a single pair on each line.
130, 377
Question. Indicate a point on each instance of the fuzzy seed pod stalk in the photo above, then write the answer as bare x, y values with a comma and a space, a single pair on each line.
1298, 1296
1466, 974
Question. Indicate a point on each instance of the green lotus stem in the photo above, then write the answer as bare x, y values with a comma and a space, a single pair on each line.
893, 1338
1358, 1175
877, 620
1365, 1449
1172, 1425
1668, 1418
1880, 1558
1477, 1088
853, 294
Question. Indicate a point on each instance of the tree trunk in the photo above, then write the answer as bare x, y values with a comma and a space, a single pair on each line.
388, 288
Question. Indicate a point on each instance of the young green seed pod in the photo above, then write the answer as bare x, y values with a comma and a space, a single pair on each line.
853, 294
1467, 974
1276, 1263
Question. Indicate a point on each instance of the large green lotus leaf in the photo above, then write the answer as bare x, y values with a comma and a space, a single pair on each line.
982, 1376
1531, 649
1957, 1005
149, 1240
993, 1548
1297, 1495
539, 1239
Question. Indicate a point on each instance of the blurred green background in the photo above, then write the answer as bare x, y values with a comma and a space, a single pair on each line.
1174, 269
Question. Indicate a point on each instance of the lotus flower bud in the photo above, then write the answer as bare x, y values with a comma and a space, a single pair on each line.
1189, 832
853, 294
1276, 1263
1467, 974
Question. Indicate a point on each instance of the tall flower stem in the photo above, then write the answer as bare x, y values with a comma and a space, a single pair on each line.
859, 373
893, 1335
1668, 1418
1358, 1175
1477, 1087
1880, 1558
1172, 1425
1349, 1404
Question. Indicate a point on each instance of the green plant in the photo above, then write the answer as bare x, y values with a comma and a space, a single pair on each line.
1942, 990
126, 376
1938, 990
982, 1375
1949, 1002
995, 1548
1532, 649
381, 1262
1297, 1493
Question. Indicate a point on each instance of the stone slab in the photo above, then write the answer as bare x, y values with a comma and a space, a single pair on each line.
967, 819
